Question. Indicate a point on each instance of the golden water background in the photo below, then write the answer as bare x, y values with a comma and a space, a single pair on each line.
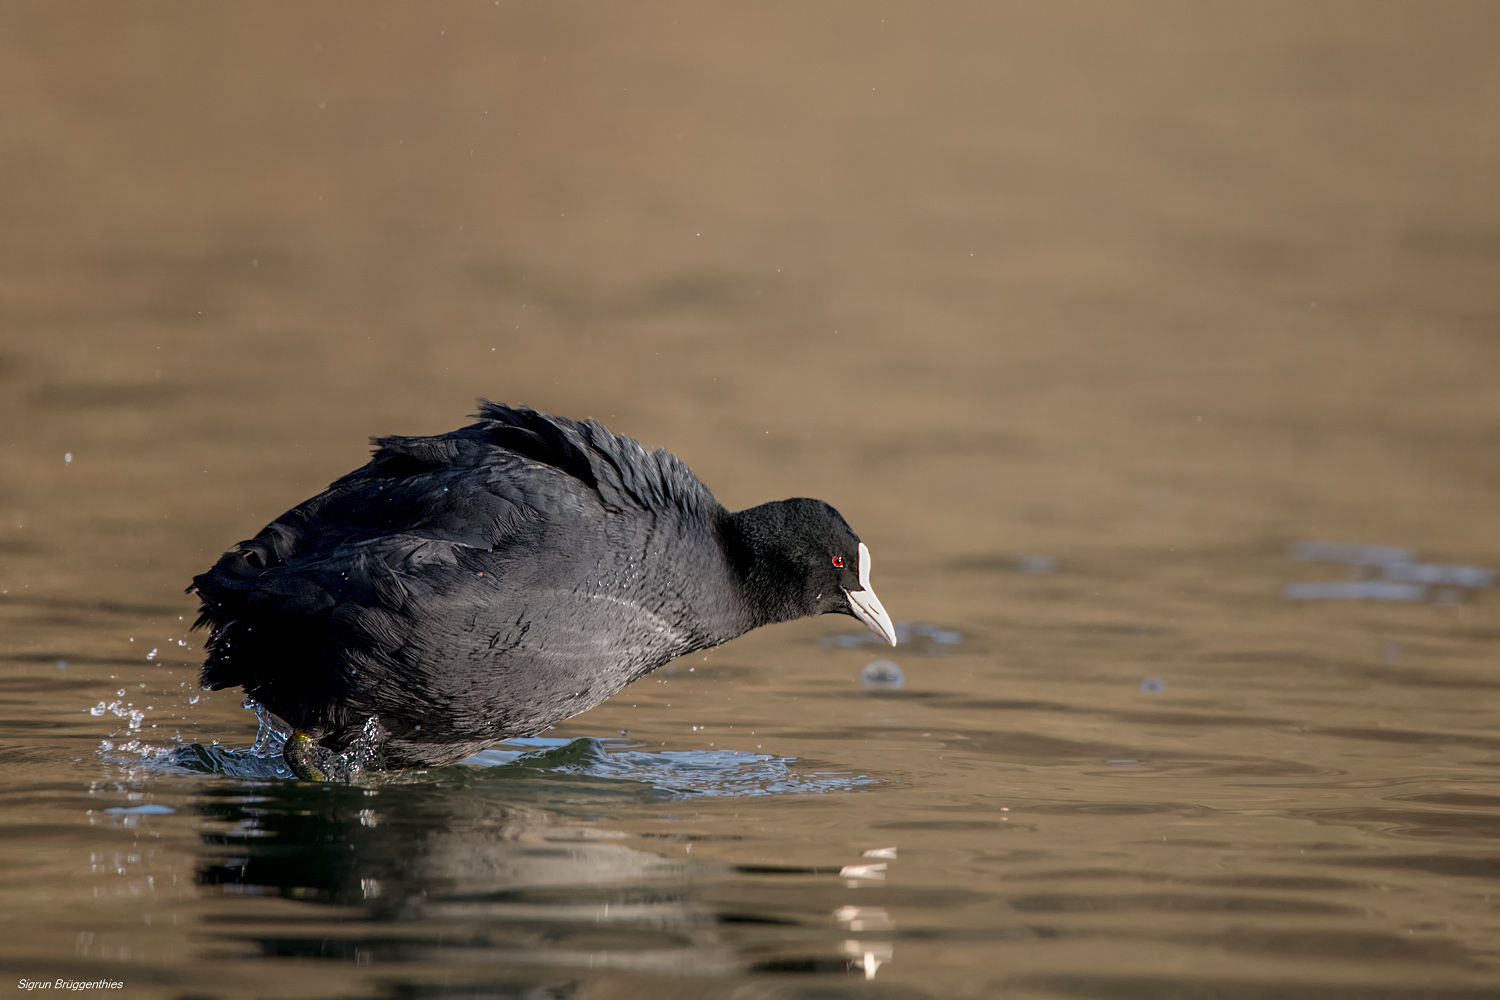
1081, 313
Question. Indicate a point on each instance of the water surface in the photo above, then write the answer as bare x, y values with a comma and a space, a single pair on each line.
1151, 349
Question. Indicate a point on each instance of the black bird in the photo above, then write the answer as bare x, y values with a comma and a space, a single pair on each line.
491, 582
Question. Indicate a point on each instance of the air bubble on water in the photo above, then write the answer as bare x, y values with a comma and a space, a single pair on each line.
1036, 564
882, 675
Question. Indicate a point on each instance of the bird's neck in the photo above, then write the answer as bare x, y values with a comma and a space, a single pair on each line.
755, 545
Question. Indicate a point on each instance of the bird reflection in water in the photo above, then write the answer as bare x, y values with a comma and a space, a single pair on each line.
453, 870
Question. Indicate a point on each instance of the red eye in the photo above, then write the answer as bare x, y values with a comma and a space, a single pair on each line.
838, 561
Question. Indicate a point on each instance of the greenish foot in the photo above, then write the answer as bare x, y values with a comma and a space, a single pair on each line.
312, 761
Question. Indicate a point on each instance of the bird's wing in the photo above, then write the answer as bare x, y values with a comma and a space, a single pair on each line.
618, 468
379, 518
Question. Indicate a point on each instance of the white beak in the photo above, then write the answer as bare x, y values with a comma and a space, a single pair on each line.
866, 606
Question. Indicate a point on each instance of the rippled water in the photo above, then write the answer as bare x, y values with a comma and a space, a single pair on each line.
1151, 349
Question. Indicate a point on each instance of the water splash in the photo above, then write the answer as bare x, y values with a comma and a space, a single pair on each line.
272, 735
366, 752
230, 761
133, 716
262, 759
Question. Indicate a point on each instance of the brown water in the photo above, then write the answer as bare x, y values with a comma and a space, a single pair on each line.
1083, 314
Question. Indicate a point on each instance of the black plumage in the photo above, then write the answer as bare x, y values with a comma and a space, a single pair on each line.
490, 582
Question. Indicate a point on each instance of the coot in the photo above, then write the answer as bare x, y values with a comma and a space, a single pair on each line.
487, 583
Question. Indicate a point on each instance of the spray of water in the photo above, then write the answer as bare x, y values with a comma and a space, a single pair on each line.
365, 753
272, 734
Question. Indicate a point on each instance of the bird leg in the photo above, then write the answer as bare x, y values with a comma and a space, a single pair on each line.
311, 761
